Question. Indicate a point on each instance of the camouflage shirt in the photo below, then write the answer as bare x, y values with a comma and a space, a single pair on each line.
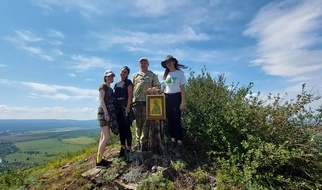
142, 82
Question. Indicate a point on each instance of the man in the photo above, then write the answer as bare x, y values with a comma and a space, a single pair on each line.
144, 82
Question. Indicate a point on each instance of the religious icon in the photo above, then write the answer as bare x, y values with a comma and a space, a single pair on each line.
155, 108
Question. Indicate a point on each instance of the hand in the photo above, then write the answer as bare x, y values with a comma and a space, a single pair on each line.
127, 110
182, 105
107, 118
159, 91
149, 91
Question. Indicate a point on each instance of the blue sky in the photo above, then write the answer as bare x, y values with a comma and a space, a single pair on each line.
54, 52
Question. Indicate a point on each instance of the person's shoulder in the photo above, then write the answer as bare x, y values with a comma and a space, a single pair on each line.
128, 82
101, 86
181, 72
151, 73
177, 72
136, 75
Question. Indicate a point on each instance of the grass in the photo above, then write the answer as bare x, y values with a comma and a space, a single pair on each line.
38, 151
80, 140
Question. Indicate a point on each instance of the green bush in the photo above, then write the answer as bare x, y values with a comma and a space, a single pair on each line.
256, 143
155, 181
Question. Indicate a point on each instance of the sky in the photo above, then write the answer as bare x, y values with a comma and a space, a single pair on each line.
54, 52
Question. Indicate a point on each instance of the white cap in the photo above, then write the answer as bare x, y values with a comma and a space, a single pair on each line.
108, 73
144, 58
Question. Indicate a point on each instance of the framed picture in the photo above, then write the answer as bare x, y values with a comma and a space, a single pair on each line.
155, 107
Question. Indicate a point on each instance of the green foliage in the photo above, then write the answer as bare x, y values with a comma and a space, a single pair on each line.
12, 179
199, 175
21, 178
257, 144
7, 147
135, 174
178, 166
156, 181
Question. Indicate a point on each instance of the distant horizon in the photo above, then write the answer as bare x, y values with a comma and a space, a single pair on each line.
14, 125
50, 119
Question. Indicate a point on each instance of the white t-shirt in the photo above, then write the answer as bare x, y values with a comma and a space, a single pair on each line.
173, 82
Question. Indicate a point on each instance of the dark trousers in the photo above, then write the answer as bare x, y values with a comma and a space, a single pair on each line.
125, 127
173, 114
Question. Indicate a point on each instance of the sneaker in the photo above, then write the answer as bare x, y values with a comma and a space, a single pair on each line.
172, 146
122, 153
178, 147
103, 163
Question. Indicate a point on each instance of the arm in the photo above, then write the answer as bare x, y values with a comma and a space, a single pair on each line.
183, 97
103, 105
155, 86
129, 98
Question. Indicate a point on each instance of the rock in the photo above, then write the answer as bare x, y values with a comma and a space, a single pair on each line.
91, 172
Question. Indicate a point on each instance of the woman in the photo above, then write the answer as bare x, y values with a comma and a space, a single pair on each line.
123, 93
174, 83
106, 116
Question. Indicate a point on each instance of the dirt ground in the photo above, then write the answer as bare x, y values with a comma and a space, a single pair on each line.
127, 175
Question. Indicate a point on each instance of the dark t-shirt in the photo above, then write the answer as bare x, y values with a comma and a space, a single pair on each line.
120, 92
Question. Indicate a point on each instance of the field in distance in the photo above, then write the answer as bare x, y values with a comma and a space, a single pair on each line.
38, 151
24, 143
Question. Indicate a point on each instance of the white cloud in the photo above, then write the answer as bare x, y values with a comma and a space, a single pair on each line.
26, 40
83, 7
289, 40
72, 75
154, 8
28, 36
55, 33
81, 63
59, 92
56, 43
133, 40
57, 52
38, 52
56, 112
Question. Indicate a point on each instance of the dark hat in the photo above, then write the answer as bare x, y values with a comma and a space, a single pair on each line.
168, 58
127, 68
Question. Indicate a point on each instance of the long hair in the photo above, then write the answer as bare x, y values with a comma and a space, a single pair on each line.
128, 70
177, 66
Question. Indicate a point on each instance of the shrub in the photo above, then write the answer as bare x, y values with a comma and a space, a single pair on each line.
258, 144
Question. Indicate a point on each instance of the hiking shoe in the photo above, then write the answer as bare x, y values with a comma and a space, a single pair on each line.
137, 146
145, 147
172, 146
122, 153
178, 147
103, 163
129, 156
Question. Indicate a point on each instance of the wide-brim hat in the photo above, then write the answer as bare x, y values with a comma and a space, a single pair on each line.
168, 58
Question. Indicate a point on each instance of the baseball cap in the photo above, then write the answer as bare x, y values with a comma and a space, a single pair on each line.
144, 58
108, 73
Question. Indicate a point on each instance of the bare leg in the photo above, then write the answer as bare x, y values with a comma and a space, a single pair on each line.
105, 137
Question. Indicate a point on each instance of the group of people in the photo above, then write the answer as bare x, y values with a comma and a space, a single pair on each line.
115, 112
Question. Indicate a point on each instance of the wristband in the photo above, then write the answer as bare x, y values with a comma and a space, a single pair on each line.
106, 115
